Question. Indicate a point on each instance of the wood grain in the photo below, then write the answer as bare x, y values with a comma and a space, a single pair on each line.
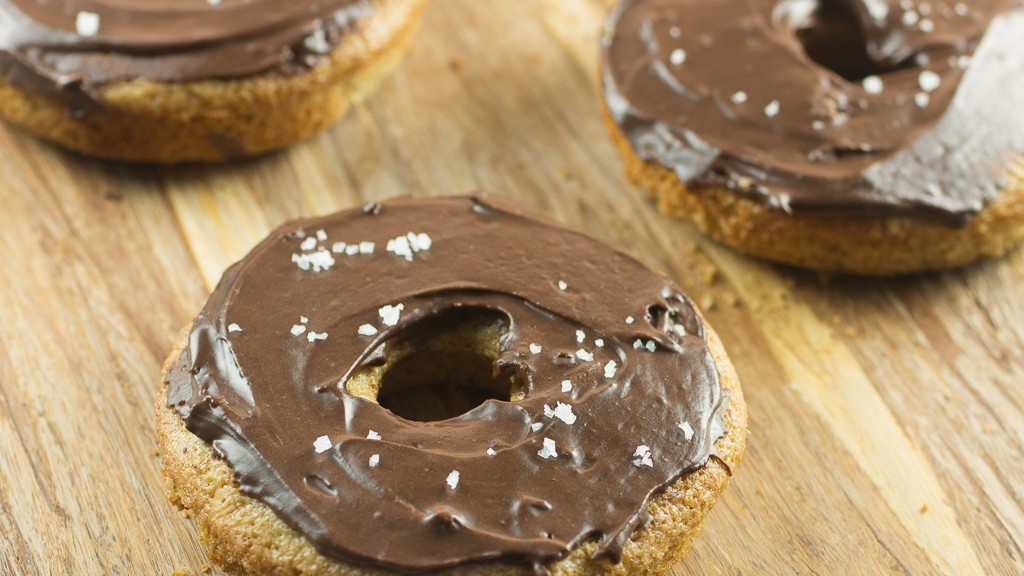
886, 416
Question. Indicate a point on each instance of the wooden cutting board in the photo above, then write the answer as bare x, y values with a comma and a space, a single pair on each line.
886, 416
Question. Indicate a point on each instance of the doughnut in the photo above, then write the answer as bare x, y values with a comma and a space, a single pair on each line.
599, 417
871, 137
192, 80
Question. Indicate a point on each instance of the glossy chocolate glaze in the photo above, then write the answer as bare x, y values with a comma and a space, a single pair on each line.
568, 306
68, 47
875, 107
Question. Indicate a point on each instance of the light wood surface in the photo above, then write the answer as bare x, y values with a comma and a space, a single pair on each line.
887, 416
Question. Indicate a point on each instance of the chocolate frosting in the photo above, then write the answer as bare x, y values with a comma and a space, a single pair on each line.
535, 477
875, 107
52, 46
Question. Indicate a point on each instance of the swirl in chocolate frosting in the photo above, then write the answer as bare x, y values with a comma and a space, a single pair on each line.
49, 45
620, 394
877, 107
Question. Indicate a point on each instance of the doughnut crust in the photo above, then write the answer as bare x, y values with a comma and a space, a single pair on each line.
245, 537
216, 120
869, 246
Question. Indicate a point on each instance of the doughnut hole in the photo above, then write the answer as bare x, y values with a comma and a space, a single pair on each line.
833, 37
440, 368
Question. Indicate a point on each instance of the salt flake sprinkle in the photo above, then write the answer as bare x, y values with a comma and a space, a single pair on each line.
408, 245
389, 314
314, 336
322, 444
373, 435
642, 457
629, 320
566, 386
609, 369
536, 348
374, 460
561, 411
453, 479
929, 80
536, 426
548, 451
491, 452
234, 328
687, 430
580, 336
562, 285
298, 330
367, 330
87, 23
584, 355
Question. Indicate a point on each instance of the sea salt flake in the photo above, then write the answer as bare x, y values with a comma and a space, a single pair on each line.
424, 241
322, 444
629, 320
367, 330
562, 285
366, 247
314, 336
338, 248
677, 57
308, 244
772, 109
298, 329
389, 314
960, 9
580, 336
373, 435
87, 23
409, 244
352, 249
303, 319
687, 430
548, 451
609, 369
536, 426
929, 80
561, 411
317, 261
374, 460
642, 457
873, 85
453, 479
651, 347
927, 26
321, 235
922, 99
584, 355
491, 452
536, 348
234, 328
599, 342
910, 18
566, 386
739, 97
638, 344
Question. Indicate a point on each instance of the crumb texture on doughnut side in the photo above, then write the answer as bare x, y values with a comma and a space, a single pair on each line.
472, 414
211, 120
879, 246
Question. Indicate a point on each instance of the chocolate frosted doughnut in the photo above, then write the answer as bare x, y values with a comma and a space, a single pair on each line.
605, 388
869, 136
210, 79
